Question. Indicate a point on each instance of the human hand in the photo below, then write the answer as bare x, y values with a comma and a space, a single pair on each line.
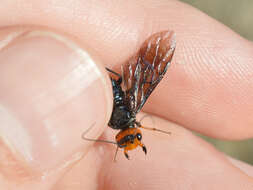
52, 91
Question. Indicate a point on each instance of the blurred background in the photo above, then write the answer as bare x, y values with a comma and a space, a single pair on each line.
238, 15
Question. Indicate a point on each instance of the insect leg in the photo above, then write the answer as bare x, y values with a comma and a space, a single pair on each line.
117, 74
126, 155
144, 148
145, 116
115, 155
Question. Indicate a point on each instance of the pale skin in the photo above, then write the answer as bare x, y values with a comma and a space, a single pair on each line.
209, 89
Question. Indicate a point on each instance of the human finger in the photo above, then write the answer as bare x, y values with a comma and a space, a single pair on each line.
209, 88
52, 90
177, 161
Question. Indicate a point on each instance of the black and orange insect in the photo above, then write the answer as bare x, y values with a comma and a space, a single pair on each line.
131, 90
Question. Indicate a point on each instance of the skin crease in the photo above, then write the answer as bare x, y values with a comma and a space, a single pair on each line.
208, 89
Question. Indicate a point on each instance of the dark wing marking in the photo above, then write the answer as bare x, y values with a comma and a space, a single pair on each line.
143, 73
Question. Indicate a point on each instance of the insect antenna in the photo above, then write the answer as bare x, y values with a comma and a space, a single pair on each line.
95, 140
152, 129
155, 129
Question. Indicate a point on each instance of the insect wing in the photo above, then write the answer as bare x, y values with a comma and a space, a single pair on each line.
143, 73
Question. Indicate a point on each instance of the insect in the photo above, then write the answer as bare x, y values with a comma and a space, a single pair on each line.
131, 90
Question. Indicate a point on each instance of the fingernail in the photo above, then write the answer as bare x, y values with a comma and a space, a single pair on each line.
51, 92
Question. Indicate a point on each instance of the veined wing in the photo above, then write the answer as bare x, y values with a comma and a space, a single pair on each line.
143, 73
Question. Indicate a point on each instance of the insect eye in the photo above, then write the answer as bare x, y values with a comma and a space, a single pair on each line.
139, 137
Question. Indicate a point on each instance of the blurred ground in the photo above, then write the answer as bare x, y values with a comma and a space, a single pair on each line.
238, 15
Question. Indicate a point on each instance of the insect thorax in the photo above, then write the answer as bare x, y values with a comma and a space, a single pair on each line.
121, 118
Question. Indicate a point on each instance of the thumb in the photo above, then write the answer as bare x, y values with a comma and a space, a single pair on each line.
51, 92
